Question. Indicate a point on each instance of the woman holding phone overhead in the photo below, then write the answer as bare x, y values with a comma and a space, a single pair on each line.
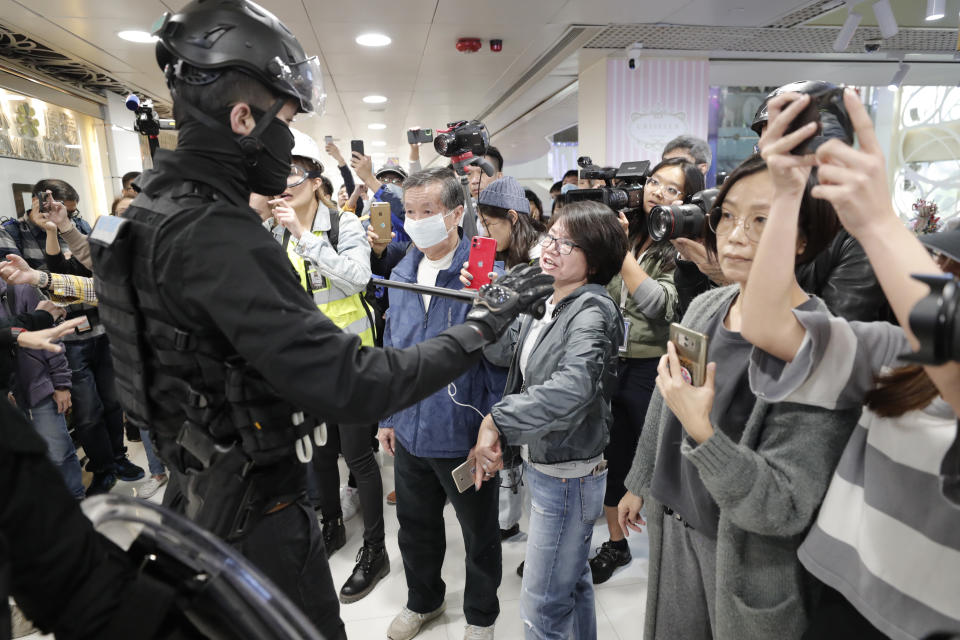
557, 407
729, 481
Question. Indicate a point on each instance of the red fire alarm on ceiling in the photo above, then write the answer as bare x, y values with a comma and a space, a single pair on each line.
469, 45
496, 45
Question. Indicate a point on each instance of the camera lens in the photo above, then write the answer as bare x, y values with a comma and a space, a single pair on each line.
442, 142
676, 221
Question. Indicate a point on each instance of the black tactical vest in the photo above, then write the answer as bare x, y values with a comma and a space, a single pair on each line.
217, 421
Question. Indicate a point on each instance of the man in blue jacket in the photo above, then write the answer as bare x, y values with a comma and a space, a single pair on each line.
434, 436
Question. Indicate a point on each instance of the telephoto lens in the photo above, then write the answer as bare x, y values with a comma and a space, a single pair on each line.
667, 222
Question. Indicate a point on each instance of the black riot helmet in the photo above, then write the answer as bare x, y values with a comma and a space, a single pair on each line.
836, 122
207, 36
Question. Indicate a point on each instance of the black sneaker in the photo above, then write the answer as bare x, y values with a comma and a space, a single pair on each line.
506, 534
334, 535
607, 560
102, 483
128, 471
372, 565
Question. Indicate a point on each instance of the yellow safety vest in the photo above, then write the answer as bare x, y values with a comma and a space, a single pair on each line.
349, 313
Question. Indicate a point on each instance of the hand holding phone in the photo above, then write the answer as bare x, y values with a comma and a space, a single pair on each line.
691, 349
463, 476
819, 102
419, 136
483, 251
380, 220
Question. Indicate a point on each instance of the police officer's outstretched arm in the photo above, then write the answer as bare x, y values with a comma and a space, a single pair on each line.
274, 325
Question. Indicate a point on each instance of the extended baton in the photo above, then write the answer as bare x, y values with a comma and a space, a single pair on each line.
465, 295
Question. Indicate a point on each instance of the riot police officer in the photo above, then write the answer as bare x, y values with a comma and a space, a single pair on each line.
218, 349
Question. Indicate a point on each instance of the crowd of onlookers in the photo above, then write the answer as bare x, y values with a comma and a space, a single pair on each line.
797, 492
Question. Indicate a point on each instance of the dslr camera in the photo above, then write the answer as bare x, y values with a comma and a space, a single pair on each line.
687, 220
462, 138
629, 193
934, 321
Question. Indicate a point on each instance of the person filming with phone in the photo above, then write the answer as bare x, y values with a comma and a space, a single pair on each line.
433, 437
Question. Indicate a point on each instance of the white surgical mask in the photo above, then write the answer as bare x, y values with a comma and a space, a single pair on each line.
427, 232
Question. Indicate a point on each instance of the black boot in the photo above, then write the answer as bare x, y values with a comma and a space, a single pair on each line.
372, 565
334, 534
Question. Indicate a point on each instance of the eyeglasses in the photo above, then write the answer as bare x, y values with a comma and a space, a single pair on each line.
564, 247
671, 192
723, 224
297, 176
389, 179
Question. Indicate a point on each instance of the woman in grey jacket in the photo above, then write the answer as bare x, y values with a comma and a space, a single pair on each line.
730, 482
557, 407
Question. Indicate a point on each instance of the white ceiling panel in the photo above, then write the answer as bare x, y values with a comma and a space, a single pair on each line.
371, 13
142, 12
340, 37
733, 13
468, 13
385, 63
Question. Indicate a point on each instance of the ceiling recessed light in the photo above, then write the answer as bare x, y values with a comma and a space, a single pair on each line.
137, 36
379, 143
935, 10
374, 99
376, 126
373, 40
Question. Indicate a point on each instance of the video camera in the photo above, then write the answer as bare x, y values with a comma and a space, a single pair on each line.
934, 321
462, 138
147, 121
628, 195
672, 221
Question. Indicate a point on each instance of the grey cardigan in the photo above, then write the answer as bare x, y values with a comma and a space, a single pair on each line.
768, 486
562, 409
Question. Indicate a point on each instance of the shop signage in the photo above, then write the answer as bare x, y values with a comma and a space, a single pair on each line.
37, 131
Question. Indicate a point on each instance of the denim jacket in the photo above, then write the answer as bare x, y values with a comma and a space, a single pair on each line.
436, 427
562, 409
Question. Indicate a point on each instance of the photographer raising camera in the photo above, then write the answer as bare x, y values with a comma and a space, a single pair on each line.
647, 297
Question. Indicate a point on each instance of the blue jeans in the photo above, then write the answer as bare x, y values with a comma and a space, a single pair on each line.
557, 596
97, 415
53, 429
156, 466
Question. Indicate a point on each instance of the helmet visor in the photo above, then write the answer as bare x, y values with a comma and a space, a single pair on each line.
305, 79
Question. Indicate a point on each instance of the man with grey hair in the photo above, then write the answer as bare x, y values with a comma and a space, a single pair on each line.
435, 436
694, 150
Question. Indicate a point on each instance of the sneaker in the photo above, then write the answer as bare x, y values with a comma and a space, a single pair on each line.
334, 535
607, 560
128, 471
407, 624
102, 483
349, 501
473, 632
392, 498
373, 564
506, 534
151, 486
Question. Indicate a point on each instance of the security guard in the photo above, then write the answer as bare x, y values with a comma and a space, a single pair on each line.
218, 349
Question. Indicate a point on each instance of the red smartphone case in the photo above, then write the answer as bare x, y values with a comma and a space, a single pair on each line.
483, 251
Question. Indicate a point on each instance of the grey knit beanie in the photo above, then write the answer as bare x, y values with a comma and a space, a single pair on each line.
505, 193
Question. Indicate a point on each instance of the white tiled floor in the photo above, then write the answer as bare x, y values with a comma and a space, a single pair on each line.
620, 601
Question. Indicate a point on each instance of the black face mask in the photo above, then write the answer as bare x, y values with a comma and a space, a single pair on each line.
267, 151
268, 157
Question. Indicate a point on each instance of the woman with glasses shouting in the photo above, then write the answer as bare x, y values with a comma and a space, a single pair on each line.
556, 406
731, 482
647, 297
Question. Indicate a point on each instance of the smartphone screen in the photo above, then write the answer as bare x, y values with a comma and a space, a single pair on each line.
327, 139
356, 145
483, 251
380, 220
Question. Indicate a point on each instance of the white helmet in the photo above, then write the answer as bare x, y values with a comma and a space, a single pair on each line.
306, 147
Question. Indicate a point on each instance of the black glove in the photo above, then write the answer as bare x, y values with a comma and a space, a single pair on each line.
523, 289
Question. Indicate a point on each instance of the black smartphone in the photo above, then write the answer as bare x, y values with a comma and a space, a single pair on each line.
356, 145
415, 136
811, 113
41, 197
